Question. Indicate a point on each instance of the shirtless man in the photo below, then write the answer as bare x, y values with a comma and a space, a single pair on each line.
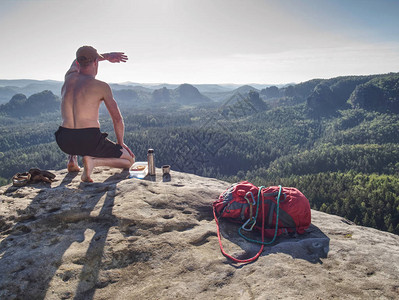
79, 133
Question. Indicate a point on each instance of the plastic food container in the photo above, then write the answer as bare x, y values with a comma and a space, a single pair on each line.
139, 170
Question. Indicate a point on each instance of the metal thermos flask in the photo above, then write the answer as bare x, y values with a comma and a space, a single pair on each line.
151, 164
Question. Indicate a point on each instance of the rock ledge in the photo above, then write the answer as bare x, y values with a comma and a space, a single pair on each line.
123, 238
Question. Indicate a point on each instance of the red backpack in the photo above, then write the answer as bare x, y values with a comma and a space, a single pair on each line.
274, 210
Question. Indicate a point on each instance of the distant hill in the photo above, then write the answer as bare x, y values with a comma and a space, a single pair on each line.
9, 88
130, 98
245, 89
227, 95
212, 88
21, 106
6, 93
143, 92
325, 96
161, 95
380, 94
138, 88
322, 96
135, 96
187, 94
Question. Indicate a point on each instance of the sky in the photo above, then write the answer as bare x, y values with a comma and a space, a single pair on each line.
202, 41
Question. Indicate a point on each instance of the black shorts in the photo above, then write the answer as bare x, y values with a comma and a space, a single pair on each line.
86, 141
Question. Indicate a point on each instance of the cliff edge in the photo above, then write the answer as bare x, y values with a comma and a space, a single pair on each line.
121, 238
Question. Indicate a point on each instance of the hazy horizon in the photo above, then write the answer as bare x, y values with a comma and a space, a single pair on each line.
160, 83
202, 42
226, 85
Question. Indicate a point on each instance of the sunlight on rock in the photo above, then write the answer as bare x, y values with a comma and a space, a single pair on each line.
67, 277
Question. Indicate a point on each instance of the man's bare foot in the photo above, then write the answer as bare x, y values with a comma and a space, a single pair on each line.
73, 167
88, 164
73, 164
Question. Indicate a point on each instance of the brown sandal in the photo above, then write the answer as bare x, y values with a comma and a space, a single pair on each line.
41, 175
34, 175
21, 179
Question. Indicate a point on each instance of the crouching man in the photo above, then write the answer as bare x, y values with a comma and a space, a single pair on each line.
79, 133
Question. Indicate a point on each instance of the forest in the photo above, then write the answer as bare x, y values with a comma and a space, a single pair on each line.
337, 140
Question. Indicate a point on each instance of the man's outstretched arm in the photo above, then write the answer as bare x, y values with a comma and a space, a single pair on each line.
114, 57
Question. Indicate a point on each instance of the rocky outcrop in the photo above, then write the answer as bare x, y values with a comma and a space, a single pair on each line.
161, 95
187, 94
36, 104
121, 238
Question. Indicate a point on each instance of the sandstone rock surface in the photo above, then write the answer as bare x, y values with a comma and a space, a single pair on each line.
121, 238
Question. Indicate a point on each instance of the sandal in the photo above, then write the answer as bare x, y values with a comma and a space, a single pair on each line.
34, 175
41, 175
21, 179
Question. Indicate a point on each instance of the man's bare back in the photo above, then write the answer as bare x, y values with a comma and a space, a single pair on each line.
82, 95
81, 99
